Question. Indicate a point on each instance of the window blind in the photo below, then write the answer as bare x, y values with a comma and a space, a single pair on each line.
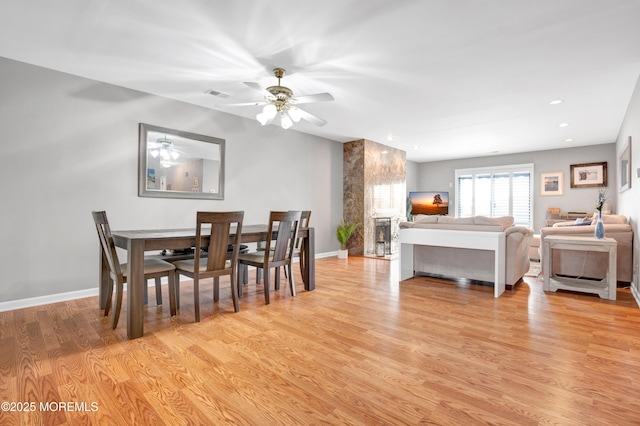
496, 191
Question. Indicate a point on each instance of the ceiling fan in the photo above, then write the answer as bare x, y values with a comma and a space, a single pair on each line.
279, 101
164, 148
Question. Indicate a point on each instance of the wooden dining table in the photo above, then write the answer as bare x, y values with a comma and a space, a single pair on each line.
137, 242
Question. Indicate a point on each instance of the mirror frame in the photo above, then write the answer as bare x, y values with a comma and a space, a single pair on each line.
144, 130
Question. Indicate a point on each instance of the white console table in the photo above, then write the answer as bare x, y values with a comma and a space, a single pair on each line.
480, 240
605, 288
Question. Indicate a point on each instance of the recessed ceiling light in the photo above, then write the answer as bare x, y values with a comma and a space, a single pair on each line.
569, 140
563, 124
390, 138
416, 147
556, 102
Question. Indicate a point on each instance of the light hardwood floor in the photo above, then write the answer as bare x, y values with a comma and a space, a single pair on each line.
360, 349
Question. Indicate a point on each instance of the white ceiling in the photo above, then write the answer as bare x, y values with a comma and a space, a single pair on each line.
461, 78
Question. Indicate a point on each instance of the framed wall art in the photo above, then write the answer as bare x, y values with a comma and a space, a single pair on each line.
552, 183
624, 167
588, 175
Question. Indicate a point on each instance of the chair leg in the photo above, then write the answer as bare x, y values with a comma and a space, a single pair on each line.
216, 289
240, 278
172, 294
234, 292
158, 291
277, 284
302, 260
176, 285
196, 297
116, 312
146, 292
258, 275
266, 287
107, 306
291, 283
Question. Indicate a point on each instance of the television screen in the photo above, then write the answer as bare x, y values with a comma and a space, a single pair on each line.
429, 202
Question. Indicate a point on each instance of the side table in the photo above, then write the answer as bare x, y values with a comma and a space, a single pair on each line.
605, 288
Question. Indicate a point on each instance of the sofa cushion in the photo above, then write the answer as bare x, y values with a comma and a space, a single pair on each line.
581, 221
455, 226
450, 220
425, 218
611, 218
505, 221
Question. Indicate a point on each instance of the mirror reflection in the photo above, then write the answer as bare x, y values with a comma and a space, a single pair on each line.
177, 164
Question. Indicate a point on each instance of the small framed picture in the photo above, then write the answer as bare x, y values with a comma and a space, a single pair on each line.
552, 183
588, 175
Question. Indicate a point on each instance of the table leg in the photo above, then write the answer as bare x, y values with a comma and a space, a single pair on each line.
612, 273
135, 289
547, 264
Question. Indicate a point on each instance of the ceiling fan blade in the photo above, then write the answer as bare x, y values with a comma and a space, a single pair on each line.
243, 104
318, 97
259, 88
311, 118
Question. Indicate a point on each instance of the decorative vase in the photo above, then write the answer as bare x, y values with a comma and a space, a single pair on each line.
599, 231
343, 254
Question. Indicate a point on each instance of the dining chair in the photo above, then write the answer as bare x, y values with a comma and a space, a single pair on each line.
153, 269
305, 217
278, 251
213, 230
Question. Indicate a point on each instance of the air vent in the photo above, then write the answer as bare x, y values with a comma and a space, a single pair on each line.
216, 93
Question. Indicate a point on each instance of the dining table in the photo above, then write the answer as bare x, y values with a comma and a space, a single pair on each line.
137, 242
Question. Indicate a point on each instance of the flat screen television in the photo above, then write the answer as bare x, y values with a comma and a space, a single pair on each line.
429, 202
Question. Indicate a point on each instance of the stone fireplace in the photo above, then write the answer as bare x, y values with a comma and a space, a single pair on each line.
374, 194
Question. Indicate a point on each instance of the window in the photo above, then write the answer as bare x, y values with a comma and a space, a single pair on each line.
496, 191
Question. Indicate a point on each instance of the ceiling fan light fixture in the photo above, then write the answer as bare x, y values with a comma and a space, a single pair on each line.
280, 101
262, 118
285, 121
294, 113
154, 153
270, 111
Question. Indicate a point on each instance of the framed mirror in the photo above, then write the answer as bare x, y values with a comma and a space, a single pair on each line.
177, 164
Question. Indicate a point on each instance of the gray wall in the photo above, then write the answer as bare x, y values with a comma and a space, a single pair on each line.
70, 146
628, 200
412, 176
440, 176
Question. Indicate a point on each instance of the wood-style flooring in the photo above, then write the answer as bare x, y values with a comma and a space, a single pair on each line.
361, 349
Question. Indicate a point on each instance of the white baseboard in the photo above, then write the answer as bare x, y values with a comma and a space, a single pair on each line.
12, 305
45, 300
635, 294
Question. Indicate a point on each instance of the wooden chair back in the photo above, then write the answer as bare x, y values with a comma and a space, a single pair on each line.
284, 225
106, 240
305, 218
220, 224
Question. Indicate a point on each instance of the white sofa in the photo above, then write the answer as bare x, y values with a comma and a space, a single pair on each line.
471, 247
591, 264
